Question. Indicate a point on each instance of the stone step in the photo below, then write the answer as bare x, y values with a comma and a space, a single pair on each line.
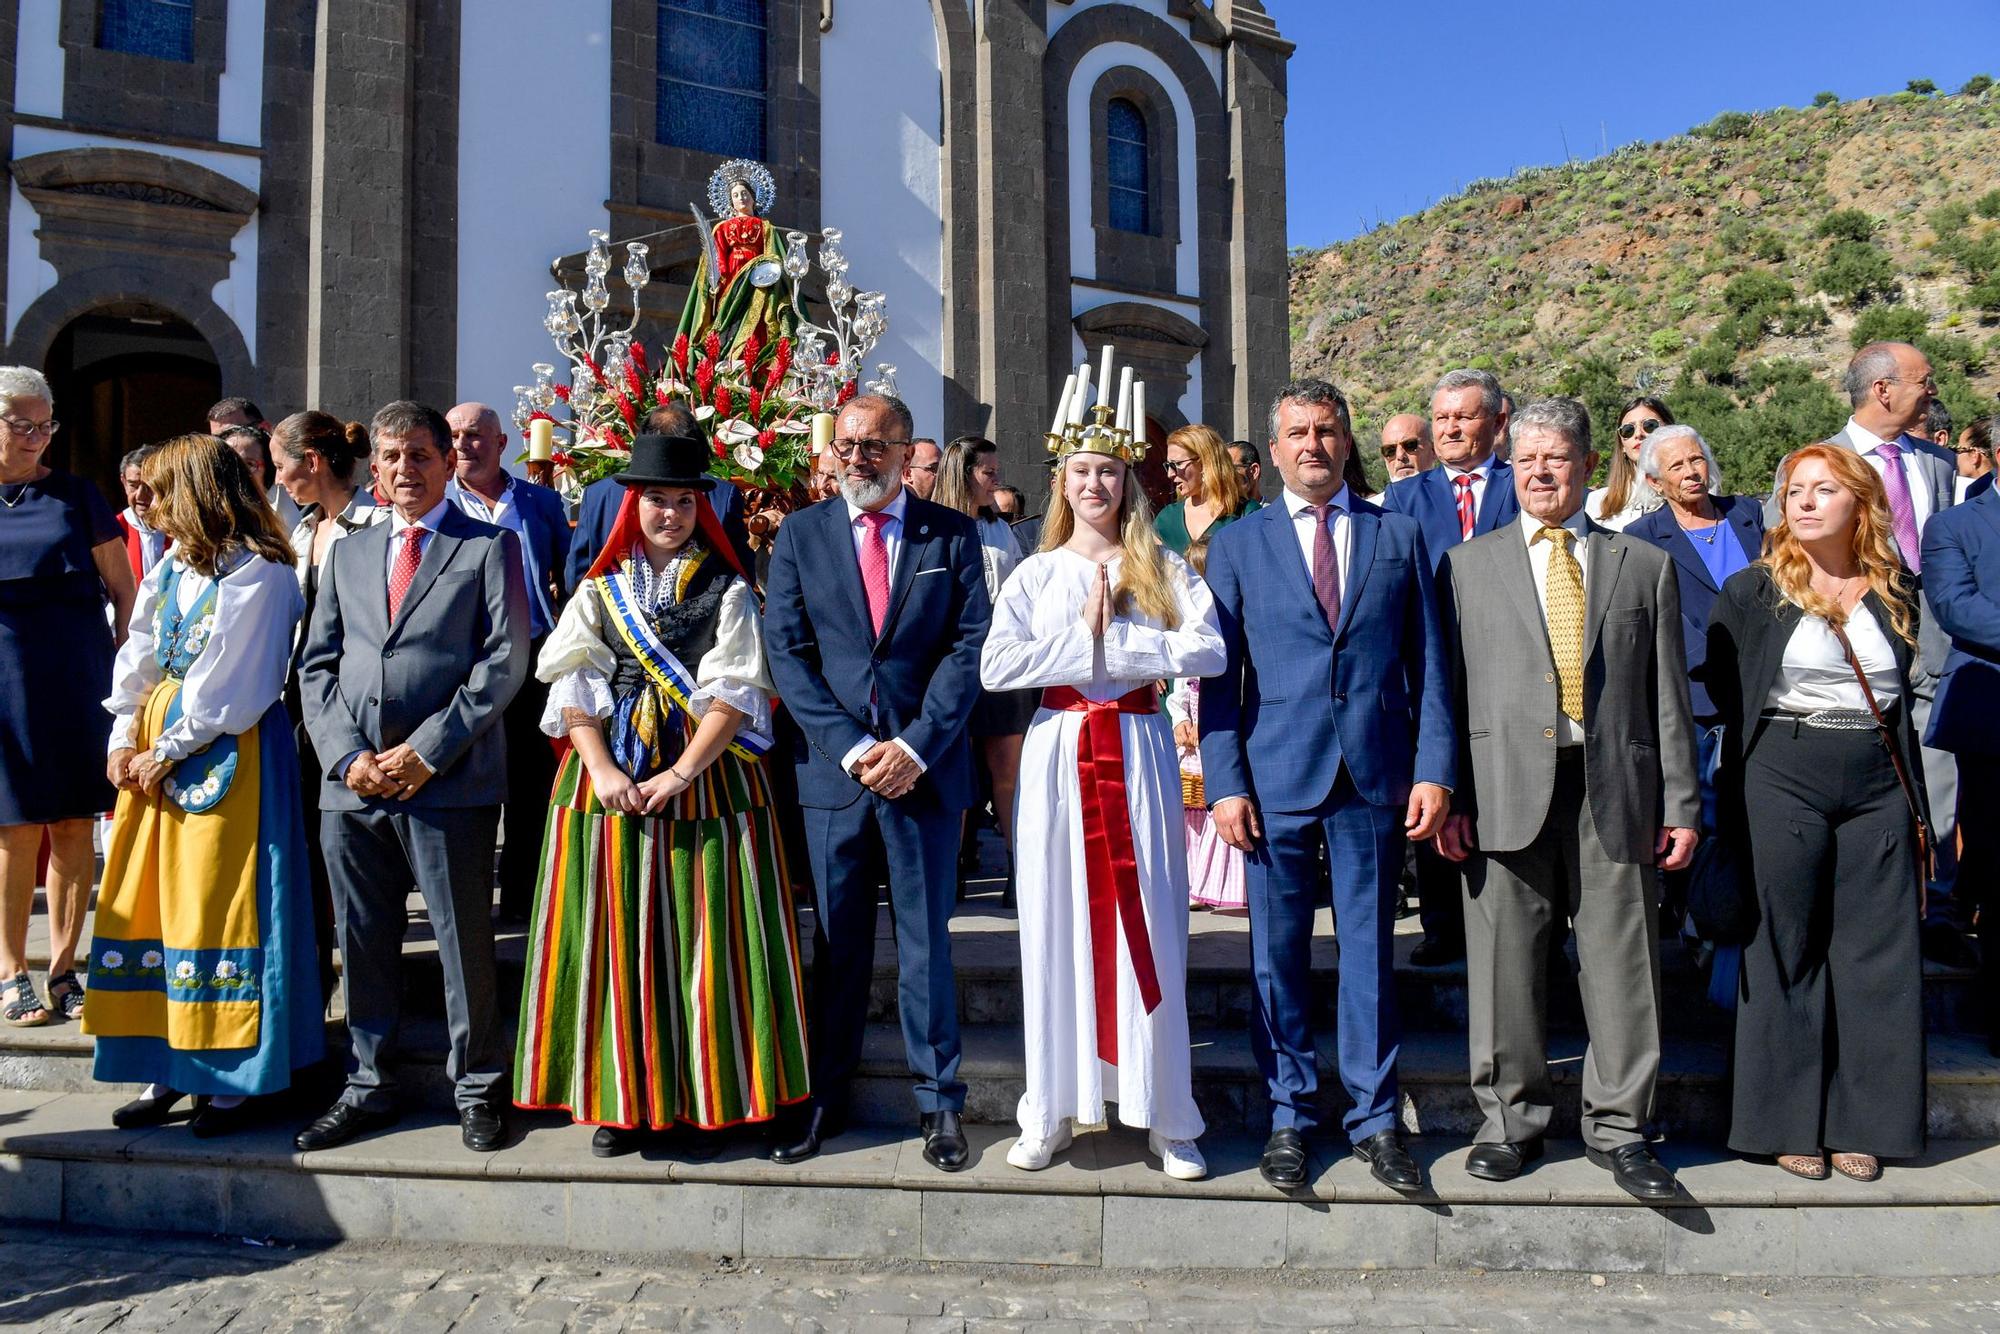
871, 1197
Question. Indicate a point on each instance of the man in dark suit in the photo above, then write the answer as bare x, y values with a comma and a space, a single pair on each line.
601, 499
1576, 778
486, 491
875, 613
1328, 732
1891, 387
1961, 555
1470, 492
419, 640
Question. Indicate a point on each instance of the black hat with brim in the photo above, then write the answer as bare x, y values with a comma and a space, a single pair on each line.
668, 460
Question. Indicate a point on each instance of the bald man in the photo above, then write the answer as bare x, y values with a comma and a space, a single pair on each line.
484, 490
1406, 445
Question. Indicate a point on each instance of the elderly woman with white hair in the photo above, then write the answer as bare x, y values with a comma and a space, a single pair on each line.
1710, 537
62, 563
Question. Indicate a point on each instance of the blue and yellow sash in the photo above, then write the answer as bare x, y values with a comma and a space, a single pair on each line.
665, 670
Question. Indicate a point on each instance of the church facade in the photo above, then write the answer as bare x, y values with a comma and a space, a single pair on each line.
333, 203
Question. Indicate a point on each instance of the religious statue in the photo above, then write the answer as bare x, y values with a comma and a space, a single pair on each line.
742, 292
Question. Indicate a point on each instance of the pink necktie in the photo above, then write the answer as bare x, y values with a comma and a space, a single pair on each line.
1466, 515
1326, 564
875, 569
1902, 514
405, 568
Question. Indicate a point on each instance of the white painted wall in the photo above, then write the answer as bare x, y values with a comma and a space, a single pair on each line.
1210, 55
1083, 154
881, 181
38, 59
534, 168
240, 92
28, 274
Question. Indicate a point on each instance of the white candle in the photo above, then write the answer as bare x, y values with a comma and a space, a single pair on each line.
1104, 378
541, 439
822, 431
1062, 404
1123, 417
1081, 398
1138, 428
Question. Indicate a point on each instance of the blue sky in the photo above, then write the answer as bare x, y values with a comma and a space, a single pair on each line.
1394, 105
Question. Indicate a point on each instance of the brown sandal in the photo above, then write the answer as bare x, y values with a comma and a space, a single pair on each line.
1858, 1166
1811, 1166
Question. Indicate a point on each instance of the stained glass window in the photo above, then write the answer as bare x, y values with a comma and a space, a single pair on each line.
159, 28
711, 89
1125, 165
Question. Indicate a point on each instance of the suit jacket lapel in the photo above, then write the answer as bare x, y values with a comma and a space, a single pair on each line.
1362, 529
1681, 547
371, 556
1607, 554
1742, 516
1515, 573
918, 533
1989, 506
1284, 554
839, 554
1499, 490
437, 552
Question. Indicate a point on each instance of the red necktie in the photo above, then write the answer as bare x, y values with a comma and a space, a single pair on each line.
1466, 515
405, 568
1326, 564
875, 569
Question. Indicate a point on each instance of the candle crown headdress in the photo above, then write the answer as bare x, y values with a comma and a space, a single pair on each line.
1114, 429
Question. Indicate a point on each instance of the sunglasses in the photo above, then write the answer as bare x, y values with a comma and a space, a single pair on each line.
1175, 469
1391, 448
1646, 424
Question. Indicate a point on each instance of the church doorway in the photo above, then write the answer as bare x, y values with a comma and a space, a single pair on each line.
124, 376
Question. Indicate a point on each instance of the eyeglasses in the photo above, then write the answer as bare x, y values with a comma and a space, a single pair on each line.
1391, 448
1175, 467
923, 467
869, 449
1646, 424
22, 426
1928, 382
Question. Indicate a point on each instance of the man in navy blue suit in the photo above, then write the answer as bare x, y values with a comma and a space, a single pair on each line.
1330, 729
874, 616
484, 490
1961, 556
1469, 492
602, 497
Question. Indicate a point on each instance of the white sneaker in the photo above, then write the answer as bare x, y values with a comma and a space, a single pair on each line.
1179, 1158
1032, 1154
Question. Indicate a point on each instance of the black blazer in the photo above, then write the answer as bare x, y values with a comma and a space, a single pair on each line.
1747, 634
1742, 521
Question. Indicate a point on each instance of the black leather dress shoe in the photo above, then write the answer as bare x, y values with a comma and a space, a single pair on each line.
1636, 1170
144, 1113
339, 1124
1501, 1162
822, 1125
944, 1141
611, 1142
1432, 952
483, 1129
1389, 1162
209, 1121
1284, 1160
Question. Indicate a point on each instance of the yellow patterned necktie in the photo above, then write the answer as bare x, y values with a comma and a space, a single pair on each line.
1565, 598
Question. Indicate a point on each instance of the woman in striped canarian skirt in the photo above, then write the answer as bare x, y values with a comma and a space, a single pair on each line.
663, 983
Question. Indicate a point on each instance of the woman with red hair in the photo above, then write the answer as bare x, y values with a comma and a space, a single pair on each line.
1809, 655
663, 963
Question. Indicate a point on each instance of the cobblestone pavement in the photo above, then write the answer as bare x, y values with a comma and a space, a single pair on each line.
90, 1282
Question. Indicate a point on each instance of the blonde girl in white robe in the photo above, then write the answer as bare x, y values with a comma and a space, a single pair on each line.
1095, 619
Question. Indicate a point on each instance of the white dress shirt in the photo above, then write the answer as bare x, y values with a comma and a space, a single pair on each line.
152, 542
1479, 473
1866, 442
1569, 732
1343, 531
1814, 673
429, 523
892, 538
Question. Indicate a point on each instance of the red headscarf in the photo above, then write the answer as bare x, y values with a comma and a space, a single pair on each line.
625, 533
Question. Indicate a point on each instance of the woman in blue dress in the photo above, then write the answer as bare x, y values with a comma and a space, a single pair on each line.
62, 562
202, 972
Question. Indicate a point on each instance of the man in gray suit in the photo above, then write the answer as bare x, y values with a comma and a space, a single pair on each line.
1891, 387
419, 640
1576, 779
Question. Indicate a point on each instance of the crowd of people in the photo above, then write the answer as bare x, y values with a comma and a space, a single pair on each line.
326, 665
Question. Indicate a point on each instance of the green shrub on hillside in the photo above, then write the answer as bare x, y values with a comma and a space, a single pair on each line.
1988, 204
1949, 219
1976, 85
1729, 125
1847, 224
1825, 99
1921, 87
1889, 324
1856, 273
1746, 292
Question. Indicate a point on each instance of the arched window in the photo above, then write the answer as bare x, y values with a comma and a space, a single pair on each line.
1125, 165
712, 85
159, 28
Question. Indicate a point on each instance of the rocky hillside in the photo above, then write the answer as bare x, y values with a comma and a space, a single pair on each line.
1733, 268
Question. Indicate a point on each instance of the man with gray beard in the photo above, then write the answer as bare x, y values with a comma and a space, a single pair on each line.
874, 616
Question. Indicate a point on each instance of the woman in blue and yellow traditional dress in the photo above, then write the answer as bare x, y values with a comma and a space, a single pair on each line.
663, 965
202, 976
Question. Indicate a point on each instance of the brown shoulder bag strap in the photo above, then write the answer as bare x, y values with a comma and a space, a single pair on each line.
1926, 849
